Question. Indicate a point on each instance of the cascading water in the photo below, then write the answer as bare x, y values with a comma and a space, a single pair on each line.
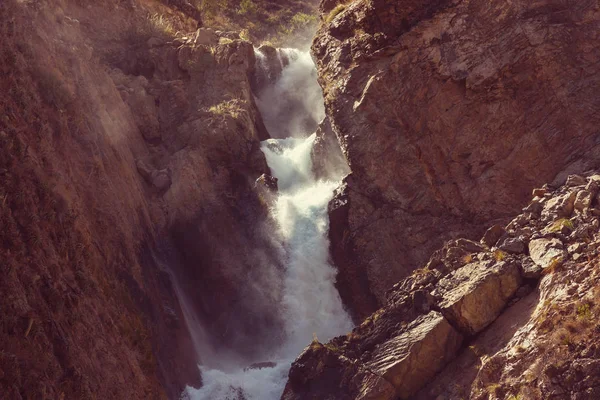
310, 304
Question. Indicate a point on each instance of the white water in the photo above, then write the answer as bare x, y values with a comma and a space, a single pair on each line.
310, 303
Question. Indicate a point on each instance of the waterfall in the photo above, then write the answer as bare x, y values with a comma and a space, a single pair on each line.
310, 304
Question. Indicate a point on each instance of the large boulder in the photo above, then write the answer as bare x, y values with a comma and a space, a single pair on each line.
473, 296
412, 358
547, 252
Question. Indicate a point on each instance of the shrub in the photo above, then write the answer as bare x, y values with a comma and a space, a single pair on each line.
335, 12
247, 7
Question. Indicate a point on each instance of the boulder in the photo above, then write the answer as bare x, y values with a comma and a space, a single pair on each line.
161, 180
583, 200
575, 180
492, 235
529, 269
473, 296
321, 372
412, 358
206, 37
512, 245
547, 252
560, 206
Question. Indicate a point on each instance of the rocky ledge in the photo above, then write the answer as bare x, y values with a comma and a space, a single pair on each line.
511, 315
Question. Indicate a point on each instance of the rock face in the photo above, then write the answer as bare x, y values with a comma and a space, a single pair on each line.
128, 161
531, 333
449, 113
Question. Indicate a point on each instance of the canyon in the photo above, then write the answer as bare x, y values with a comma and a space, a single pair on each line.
407, 207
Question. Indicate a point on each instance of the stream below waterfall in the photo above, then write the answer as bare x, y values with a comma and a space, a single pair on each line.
310, 304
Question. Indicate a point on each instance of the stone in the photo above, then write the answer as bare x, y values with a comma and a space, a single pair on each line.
512, 245
206, 37
492, 235
473, 296
161, 180
261, 365
593, 187
530, 270
320, 372
583, 200
535, 206
560, 206
575, 248
267, 181
412, 358
575, 180
539, 192
546, 252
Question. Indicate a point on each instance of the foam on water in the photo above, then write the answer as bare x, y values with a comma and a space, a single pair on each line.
310, 303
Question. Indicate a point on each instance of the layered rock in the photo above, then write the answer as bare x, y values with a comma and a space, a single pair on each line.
530, 325
437, 106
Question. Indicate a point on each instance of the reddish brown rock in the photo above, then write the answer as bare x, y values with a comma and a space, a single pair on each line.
449, 113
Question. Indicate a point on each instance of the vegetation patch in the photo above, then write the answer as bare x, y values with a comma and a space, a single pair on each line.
335, 12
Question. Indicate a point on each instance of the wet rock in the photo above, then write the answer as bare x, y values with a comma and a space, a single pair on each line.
473, 296
492, 235
547, 252
261, 365
410, 359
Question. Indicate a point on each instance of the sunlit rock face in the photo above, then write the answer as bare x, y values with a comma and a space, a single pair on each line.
449, 113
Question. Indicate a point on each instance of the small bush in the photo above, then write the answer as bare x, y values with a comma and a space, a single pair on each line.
499, 255
335, 12
247, 7
227, 108
584, 311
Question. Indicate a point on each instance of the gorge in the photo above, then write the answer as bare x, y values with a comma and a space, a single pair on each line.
308, 303
190, 209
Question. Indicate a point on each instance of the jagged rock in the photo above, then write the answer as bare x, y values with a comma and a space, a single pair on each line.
473, 296
320, 372
546, 252
575, 180
267, 181
583, 200
410, 359
513, 245
575, 248
261, 365
560, 206
536, 206
530, 270
205, 36
492, 235
539, 192
328, 160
